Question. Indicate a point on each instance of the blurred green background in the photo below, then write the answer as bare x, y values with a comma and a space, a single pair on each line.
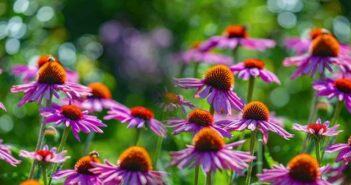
130, 46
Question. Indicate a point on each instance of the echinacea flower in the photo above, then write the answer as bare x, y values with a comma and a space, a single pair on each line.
252, 68
172, 101
339, 89
340, 174
301, 45
345, 151
235, 36
209, 151
255, 116
5, 154
138, 117
303, 169
318, 129
200, 54
51, 79
28, 72
217, 86
324, 53
72, 116
30, 182
45, 155
101, 98
81, 174
197, 120
133, 167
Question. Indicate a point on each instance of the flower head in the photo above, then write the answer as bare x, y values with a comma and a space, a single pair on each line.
345, 151
30, 182
235, 36
301, 170
133, 167
136, 117
172, 101
5, 154
51, 79
256, 116
81, 174
217, 86
252, 68
197, 120
318, 129
340, 174
45, 155
209, 151
72, 116
339, 88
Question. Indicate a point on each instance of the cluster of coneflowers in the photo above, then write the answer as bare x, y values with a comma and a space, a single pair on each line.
50, 82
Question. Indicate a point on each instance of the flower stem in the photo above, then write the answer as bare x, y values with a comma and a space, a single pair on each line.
196, 180
158, 149
252, 151
208, 178
63, 139
318, 154
137, 136
250, 89
212, 109
336, 113
182, 70
235, 54
196, 69
259, 155
88, 142
45, 177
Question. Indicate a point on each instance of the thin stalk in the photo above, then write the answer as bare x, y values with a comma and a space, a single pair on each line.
313, 108
158, 149
336, 113
182, 70
318, 154
45, 177
137, 136
252, 151
88, 142
235, 54
63, 139
209, 178
259, 155
196, 179
250, 89
196, 69
212, 109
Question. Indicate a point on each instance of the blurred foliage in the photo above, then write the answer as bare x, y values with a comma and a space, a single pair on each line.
103, 39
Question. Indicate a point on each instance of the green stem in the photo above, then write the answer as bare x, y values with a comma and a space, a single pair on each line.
63, 139
196, 180
313, 108
250, 89
158, 149
252, 151
212, 109
209, 178
318, 154
45, 177
336, 113
137, 136
259, 155
88, 142
235, 54
196, 69
182, 70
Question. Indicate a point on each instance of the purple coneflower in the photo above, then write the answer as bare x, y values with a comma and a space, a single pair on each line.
5, 154
324, 53
340, 89
209, 151
255, 116
345, 151
51, 79
318, 129
203, 55
197, 120
172, 101
217, 87
45, 155
303, 169
81, 174
30, 182
340, 174
253, 68
101, 98
236, 35
28, 73
136, 117
133, 167
72, 116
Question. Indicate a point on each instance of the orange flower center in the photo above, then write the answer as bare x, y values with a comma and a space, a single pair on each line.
236, 31
100, 90
325, 45
317, 127
200, 117
171, 97
219, 77
343, 85
142, 112
83, 165
44, 154
135, 158
207, 140
52, 73
30, 182
72, 112
43, 59
256, 110
315, 32
304, 168
254, 63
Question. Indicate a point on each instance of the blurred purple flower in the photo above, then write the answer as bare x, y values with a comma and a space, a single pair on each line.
345, 151
5, 154
45, 155
318, 129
